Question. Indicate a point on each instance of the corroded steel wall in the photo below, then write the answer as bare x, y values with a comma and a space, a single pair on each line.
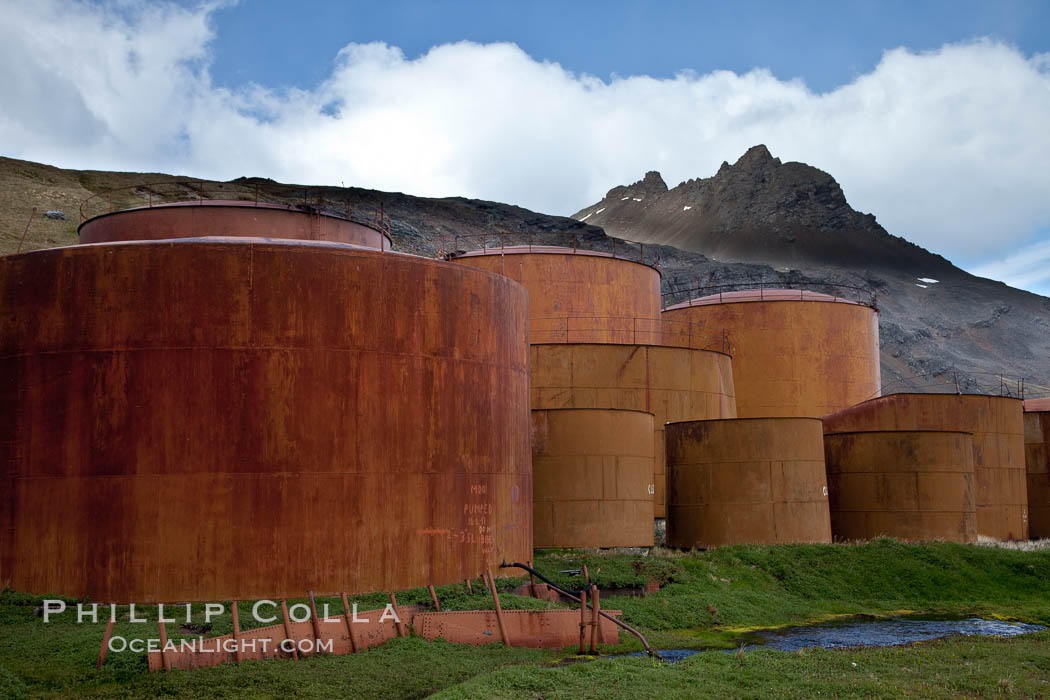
1000, 492
795, 358
912, 485
1037, 465
591, 475
238, 418
603, 295
673, 384
746, 480
225, 219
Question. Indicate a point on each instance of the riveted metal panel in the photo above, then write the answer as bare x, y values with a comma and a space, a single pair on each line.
604, 294
1000, 491
592, 478
1037, 466
550, 629
205, 419
912, 485
672, 383
795, 358
746, 481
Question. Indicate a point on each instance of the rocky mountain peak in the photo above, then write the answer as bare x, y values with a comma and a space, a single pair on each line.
755, 159
758, 208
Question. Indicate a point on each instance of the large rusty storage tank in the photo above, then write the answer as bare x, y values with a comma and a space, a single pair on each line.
746, 481
591, 472
217, 418
1037, 466
794, 353
909, 484
226, 218
1000, 492
672, 383
579, 296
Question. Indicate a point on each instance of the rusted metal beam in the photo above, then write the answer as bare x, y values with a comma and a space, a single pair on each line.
288, 636
348, 617
401, 632
499, 610
105, 642
162, 628
596, 628
238, 653
583, 621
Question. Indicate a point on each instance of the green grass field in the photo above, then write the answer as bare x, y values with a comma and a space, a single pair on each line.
708, 600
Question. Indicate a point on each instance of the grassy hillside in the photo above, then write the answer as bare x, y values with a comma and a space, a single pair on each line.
708, 600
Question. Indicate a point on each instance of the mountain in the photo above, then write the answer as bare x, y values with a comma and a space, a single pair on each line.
758, 210
761, 220
758, 220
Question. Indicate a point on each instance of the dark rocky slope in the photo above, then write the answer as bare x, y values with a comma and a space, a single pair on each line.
765, 222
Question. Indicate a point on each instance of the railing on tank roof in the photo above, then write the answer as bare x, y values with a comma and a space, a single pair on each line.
457, 245
152, 194
959, 382
628, 330
841, 292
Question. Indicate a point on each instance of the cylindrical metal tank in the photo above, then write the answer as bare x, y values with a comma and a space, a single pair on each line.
227, 218
207, 419
1000, 493
579, 296
910, 484
591, 475
794, 353
1037, 465
672, 383
1037, 404
746, 481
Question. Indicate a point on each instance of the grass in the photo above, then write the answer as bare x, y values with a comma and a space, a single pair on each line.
708, 600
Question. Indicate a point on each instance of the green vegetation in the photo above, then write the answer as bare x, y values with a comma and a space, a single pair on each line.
708, 600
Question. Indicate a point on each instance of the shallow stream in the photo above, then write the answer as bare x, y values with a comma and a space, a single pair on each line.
867, 633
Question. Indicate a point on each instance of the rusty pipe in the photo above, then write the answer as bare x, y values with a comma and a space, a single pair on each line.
649, 650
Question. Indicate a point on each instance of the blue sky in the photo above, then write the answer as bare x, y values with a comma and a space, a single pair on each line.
932, 115
827, 44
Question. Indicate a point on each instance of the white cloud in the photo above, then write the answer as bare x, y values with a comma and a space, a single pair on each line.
948, 148
1027, 268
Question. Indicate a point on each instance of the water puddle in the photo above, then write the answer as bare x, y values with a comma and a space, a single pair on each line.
875, 633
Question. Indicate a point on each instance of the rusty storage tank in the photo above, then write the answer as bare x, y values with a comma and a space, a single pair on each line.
910, 484
227, 218
746, 481
672, 383
795, 353
1037, 466
1000, 492
579, 296
592, 478
217, 418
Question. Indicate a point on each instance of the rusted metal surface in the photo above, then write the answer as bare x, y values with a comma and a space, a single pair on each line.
592, 478
674, 384
548, 629
564, 284
1037, 466
370, 627
759, 291
1000, 491
746, 481
1037, 404
228, 418
912, 485
793, 357
227, 219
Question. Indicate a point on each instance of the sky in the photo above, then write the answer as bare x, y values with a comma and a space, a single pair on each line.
934, 116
